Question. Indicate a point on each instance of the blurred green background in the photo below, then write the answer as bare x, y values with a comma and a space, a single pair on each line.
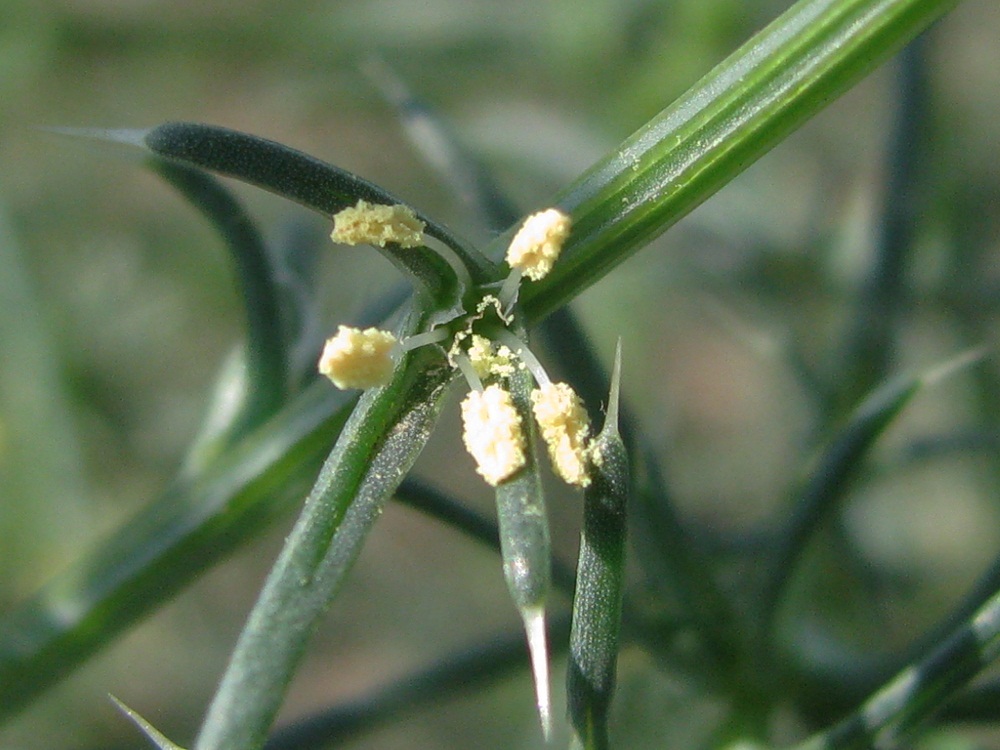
117, 307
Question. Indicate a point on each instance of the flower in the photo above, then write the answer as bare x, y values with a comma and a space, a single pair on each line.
565, 429
492, 433
374, 224
358, 359
538, 242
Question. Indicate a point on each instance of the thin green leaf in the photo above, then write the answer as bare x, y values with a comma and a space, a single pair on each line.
525, 545
194, 524
837, 466
290, 173
155, 736
886, 718
380, 442
771, 85
600, 581
443, 275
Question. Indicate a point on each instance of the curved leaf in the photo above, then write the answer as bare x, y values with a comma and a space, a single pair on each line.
290, 173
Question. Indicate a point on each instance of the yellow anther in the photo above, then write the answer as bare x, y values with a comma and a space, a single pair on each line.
492, 433
538, 243
565, 429
374, 224
356, 358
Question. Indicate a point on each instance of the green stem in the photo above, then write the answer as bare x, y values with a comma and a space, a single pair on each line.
770, 86
375, 450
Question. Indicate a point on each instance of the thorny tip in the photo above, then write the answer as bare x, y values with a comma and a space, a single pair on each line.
534, 628
154, 735
611, 416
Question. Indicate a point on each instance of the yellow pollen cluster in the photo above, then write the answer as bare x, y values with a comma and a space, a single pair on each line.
492, 433
358, 359
489, 362
538, 242
373, 224
565, 429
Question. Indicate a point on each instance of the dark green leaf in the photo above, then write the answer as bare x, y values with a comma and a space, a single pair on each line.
600, 581
289, 173
196, 523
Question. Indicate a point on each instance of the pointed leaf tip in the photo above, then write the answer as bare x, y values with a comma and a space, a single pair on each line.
611, 417
934, 375
534, 628
128, 136
148, 729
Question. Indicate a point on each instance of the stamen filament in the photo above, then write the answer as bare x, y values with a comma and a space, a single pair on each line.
457, 265
464, 365
508, 291
422, 339
521, 349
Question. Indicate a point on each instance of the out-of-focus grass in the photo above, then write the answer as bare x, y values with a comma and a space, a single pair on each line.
118, 307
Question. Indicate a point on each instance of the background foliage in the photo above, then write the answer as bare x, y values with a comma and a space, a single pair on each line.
117, 307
